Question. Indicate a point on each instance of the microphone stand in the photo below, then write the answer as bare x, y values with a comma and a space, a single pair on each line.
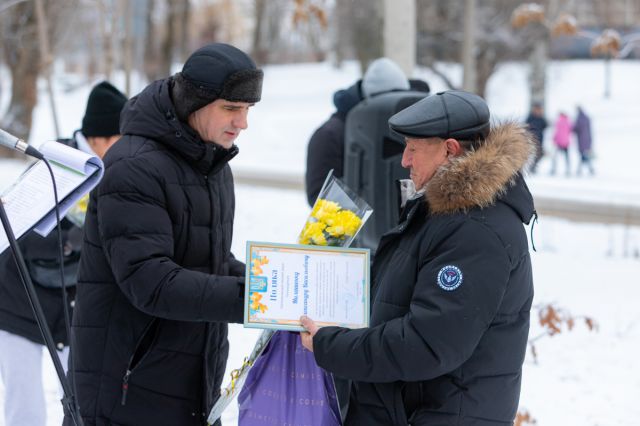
68, 399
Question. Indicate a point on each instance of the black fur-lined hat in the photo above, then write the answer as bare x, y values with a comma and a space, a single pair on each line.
215, 71
451, 114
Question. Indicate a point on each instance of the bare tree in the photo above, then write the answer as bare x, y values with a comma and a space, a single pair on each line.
497, 41
468, 56
169, 39
151, 67
266, 42
207, 24
126, 11
440, 25
259, 49
18, 29
538, 22
106, 16
167, 36
360, 30
183, 15
310, 21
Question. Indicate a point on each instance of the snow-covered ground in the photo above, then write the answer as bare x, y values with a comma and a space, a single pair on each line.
580, 377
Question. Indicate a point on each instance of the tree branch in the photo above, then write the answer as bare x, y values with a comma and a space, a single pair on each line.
443, 76
10, 4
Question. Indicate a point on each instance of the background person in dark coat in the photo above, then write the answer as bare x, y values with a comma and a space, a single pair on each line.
582, 129
326, 146
21, 343
157, 283
451, 285
536, 124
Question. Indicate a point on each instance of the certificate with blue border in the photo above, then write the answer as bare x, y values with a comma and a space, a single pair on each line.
285, 281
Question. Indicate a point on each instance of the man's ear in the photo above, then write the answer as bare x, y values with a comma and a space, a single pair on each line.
454, 149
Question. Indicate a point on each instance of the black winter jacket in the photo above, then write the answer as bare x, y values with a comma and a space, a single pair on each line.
324, 152
326, 146
451, 293
157, 282
41, 256
536, 127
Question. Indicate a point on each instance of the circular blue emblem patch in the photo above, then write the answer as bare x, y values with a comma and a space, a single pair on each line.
449, 278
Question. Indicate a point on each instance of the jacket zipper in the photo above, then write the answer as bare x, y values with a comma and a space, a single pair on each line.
125, 387
130, 367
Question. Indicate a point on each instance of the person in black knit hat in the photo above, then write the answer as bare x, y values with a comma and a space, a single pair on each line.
101, 122
158, 283
21, 342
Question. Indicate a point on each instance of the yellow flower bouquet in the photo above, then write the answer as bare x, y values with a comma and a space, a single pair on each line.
78, 211
337, 216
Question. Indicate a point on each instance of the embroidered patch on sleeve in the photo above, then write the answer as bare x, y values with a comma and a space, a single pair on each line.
449, 278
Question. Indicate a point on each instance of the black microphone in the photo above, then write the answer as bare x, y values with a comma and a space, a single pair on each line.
14, 142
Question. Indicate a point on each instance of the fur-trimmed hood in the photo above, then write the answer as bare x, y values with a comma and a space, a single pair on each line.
481, 176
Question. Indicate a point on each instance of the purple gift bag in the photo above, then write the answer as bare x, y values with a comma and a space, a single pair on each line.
286, 386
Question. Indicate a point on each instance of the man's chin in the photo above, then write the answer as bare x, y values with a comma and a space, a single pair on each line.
226, 144
418, 184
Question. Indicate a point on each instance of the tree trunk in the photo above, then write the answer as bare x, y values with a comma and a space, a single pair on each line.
111, 46
168, 42
19, 34
127, 44
340, 43
24, 97
468, 47
150, 65
366, 30
46, 60
258, 52
537, 76
400, 33
23, 66
185, 19
486, 63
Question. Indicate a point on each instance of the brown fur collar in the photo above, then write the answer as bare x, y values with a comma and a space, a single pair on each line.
479, 177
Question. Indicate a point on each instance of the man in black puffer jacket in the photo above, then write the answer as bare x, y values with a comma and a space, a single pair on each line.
157, 283
451, 285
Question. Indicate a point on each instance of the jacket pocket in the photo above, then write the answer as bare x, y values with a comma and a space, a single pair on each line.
140, 352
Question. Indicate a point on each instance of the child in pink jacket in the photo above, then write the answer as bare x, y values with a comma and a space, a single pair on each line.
561, 140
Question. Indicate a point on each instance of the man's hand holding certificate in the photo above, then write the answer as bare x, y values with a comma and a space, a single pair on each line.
319, 278
328, 284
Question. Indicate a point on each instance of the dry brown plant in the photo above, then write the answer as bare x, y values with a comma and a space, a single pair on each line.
565, 25
607, 44
524, 418
525, 14
555, 320
306, 10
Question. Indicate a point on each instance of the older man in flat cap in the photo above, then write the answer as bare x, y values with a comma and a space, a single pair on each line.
157, 283
451, 284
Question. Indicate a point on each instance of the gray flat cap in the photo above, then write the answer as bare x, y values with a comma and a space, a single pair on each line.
451, 114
